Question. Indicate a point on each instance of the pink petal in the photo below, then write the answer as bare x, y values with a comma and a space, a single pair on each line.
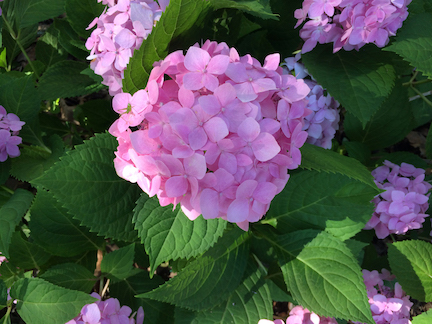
197, 138
265, 147
193, 80
196, 59
238, 210
209, 202
210, 104
176, 186
218, 64
195, 166
216, 129
91, 314
249, 129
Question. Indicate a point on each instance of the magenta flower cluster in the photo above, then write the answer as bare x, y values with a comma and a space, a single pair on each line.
10, 125
388, 305
350, 24
107, 312
300, 315
322, 124
121, 29
403, 204
212, 131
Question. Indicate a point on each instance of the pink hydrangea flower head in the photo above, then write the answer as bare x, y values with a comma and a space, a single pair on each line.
321, 125
120, 29
403, 204
300, 315
349, 24
388, 305
106, 312
10, 125
208, 132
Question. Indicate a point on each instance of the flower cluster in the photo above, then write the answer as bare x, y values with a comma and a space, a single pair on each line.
107, 312
2, 259
10, 125
388, 305
218, 137
403, 204
300, 315
350, 24
121, 29
322, 124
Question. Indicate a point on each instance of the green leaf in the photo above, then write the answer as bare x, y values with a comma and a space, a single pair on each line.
179, 16
34, 161
69, 39
84, 181
41, 302
119, 263
10, 273
390, 124
411, 262
10, 215
96, 115
330, 202
3, 61
25, 37
317, 158
71, 276
424, 318
429, 144
358, 151
34, 11
170, 235
360, 81
56, 231
414, 42
4, 171
19, 96
210, 279
25, 254
321, 273
64, 79
259, 8
48, 49
126, 289
249, 303
3, 294
81, 13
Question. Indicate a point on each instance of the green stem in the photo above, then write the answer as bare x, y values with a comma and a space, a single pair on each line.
393, 238
410, 83
422, 96
6, 317
15, 38
7, 189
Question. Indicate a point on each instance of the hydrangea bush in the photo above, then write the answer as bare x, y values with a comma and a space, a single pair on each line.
177, 159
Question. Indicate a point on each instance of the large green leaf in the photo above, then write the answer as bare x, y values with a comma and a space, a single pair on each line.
390, 124
86, 183
411, 262
414, 42
48, 49
249, 303
10, 215
259, 8
34, 160
179, 16
125, 291
65, 79
41, 302
360, 81
69, 39
3, 294
25, 254
34, 11
330, 202
81, 13
424, 318
4, 171
71, 276
209, 279
53, 228
119, 263
319, 159
322, 274
19, 96
170, 235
